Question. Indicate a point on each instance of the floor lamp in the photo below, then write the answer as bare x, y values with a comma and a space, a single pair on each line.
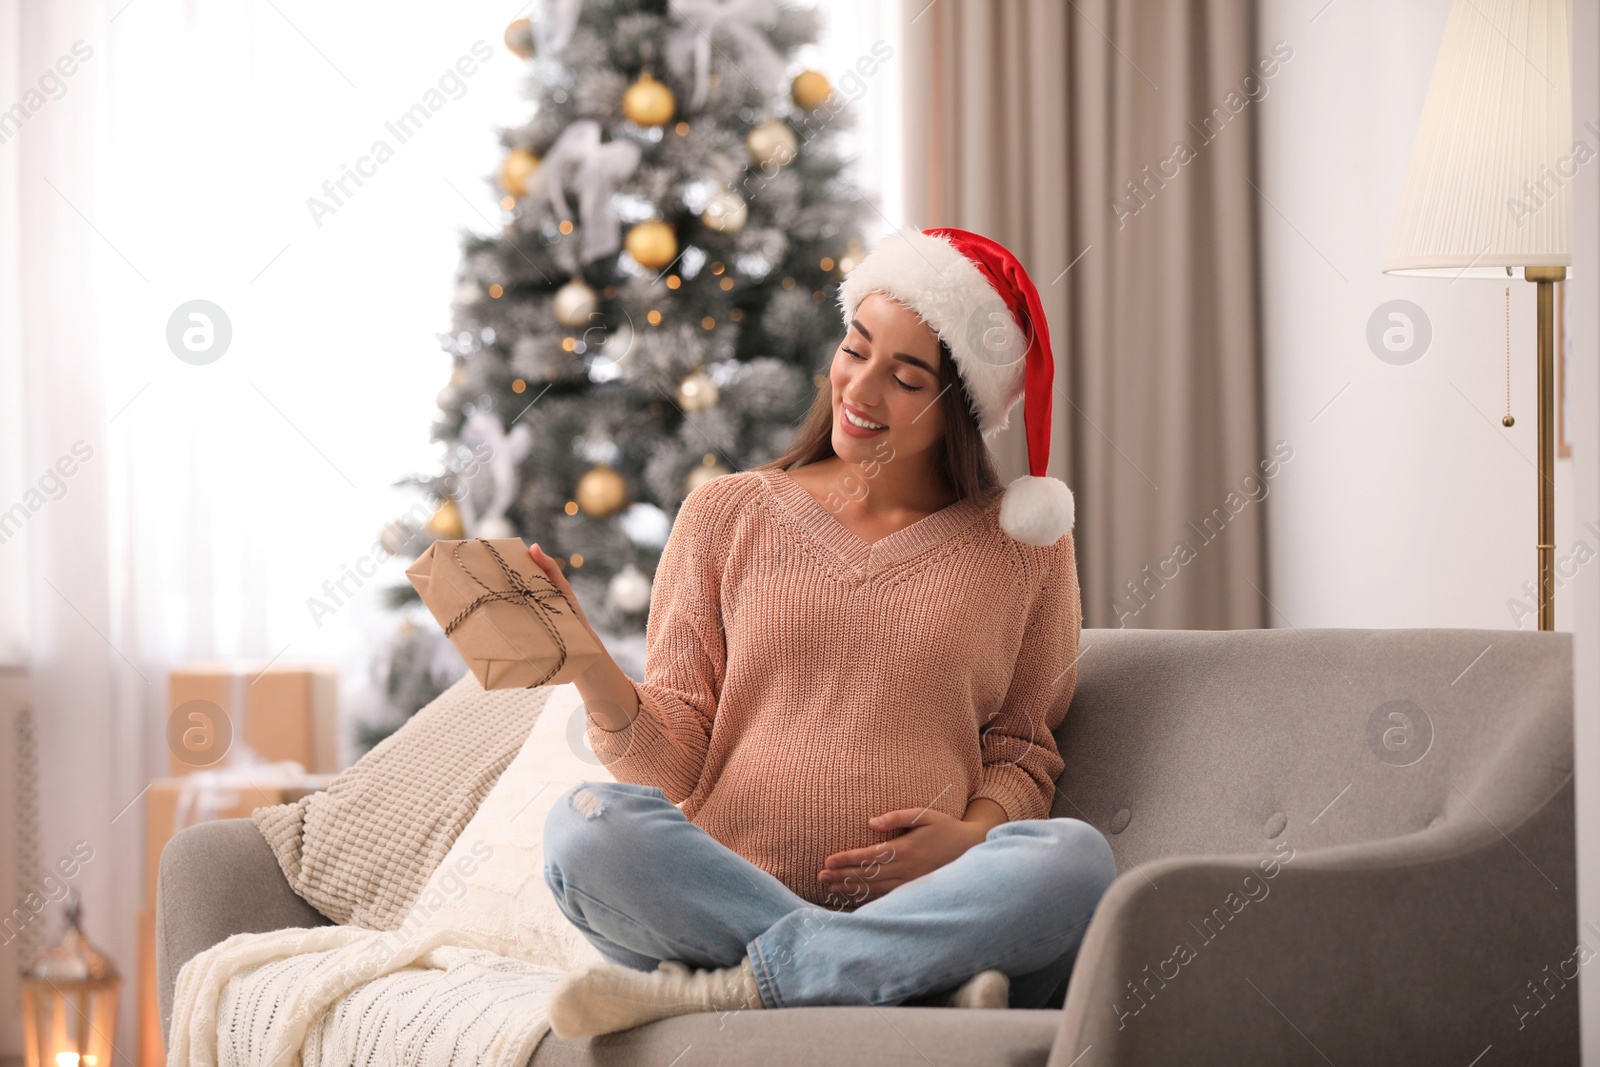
1487, 192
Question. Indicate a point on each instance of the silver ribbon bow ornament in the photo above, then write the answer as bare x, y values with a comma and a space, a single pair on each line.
579, 161
553, 24
688, 46
498, 474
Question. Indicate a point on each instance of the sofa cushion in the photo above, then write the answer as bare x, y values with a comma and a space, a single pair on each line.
361, 850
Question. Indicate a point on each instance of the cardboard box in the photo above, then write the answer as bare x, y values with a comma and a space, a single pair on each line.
282, 711
152, 1042
234, 801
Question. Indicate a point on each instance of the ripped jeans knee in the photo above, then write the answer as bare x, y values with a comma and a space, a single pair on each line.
591, 798
587, 801
590, 814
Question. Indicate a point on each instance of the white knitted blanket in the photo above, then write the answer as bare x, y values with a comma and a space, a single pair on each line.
464, 980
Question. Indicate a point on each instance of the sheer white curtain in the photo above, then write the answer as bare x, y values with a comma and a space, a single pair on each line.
862, 51
155, 510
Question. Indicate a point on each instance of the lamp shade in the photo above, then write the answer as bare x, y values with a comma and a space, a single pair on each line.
1488, 190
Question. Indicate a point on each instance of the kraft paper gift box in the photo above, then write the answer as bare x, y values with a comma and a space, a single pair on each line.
511, 625
283, 711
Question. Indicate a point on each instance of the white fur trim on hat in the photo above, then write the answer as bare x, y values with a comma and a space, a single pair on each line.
1037, 510
948, 292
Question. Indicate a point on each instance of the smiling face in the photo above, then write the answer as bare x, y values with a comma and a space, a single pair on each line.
886, 372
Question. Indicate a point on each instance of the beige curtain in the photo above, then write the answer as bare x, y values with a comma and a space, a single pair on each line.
1033, 122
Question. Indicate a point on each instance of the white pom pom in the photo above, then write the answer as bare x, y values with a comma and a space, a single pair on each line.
1037, 511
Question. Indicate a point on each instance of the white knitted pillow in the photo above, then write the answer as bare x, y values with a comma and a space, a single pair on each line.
489, 891
475, 957
361, 850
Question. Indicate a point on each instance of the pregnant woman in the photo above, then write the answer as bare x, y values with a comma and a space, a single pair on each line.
834, 785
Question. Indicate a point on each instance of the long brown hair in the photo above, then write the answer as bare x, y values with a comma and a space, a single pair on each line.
964, 461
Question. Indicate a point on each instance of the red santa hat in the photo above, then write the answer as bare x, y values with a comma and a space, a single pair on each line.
984, 307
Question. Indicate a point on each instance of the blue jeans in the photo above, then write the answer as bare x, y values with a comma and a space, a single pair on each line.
645, 884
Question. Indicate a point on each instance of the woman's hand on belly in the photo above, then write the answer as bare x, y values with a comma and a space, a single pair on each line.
932, 839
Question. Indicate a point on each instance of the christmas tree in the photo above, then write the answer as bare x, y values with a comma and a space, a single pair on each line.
658, 308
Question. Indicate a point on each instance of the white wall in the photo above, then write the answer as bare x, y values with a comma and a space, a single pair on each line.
1406, 503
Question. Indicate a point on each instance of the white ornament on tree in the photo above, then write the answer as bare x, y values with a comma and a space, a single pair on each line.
646, 525
498, 526
629, 589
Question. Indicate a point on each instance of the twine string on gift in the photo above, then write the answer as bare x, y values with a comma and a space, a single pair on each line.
521, 593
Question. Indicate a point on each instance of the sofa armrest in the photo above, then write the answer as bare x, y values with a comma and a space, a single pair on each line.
218, 879
1421, 949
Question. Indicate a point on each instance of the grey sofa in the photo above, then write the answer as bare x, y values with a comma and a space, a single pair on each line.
1334, 846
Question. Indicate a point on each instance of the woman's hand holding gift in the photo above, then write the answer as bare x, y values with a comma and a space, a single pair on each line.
609, 696
552, 571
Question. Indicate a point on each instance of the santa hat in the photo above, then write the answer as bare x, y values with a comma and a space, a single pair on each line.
984, 307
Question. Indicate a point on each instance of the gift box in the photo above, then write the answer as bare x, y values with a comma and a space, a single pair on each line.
170, 804
275, 711
509, 622
152, 1042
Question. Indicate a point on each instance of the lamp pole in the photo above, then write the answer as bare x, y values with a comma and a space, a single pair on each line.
1545, 278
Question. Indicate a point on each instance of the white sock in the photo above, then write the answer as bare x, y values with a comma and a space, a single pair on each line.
986, 989
606, 997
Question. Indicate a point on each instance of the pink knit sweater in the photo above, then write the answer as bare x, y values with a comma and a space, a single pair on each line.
799, 680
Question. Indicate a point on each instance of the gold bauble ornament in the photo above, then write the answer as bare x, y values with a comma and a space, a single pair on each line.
516, 170
709, 468
810, 89
574, 303
652, 244
648, 102
726, 212
771, 142
519, 37
602, 492
446, 522
697, 391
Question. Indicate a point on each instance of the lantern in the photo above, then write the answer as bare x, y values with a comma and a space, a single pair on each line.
69, 1001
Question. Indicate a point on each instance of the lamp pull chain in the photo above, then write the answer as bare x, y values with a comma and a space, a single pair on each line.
1508, 420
